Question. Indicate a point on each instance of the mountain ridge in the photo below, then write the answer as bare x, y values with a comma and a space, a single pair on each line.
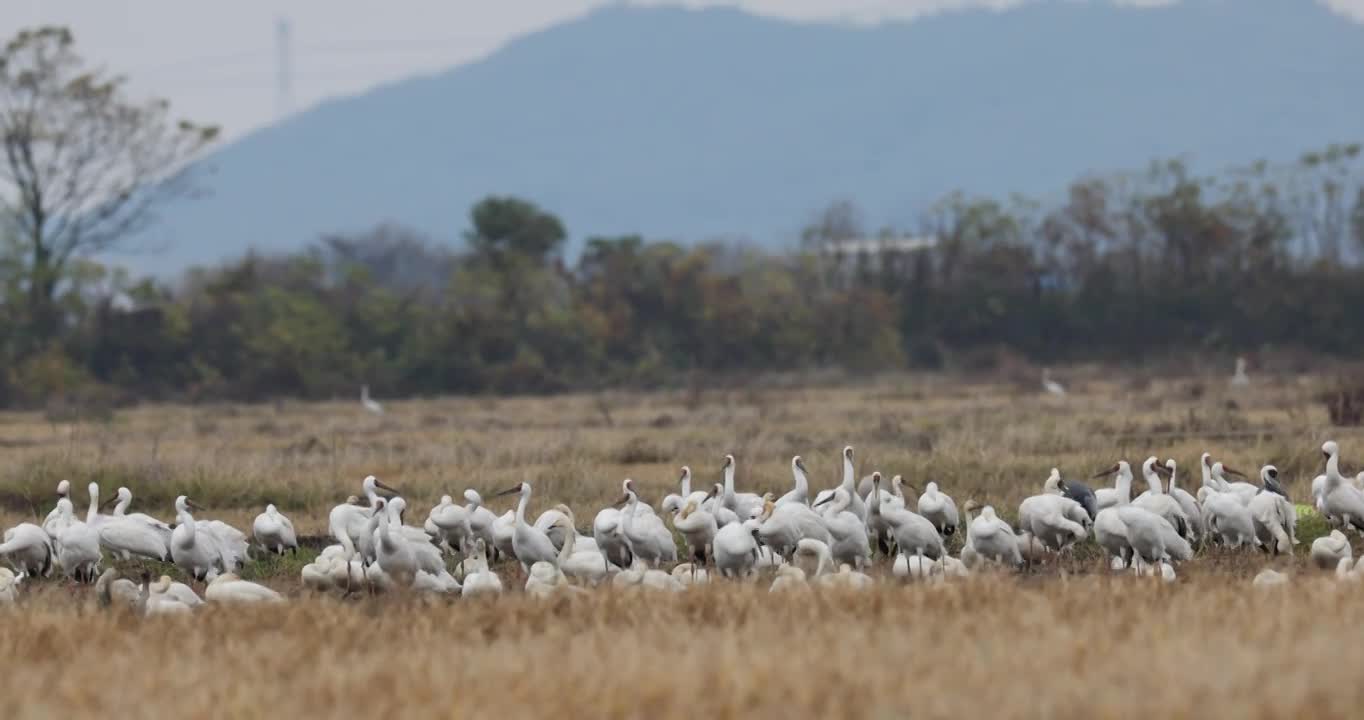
694, 124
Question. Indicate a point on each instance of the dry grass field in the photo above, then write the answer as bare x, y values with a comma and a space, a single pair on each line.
1045, 645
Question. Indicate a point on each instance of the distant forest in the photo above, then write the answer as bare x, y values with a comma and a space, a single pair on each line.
1122, 269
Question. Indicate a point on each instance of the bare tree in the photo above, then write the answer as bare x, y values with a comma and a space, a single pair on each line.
84, 165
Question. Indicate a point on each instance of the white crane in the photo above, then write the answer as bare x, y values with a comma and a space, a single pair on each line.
914, 535
9, 586
1151, 537
673, 502
393, 552
1051, 386
856, 506
783, 526
1110, 532
529, 544
123, 499
193, 548
940, 509
1157, 501
1054, 520
1274, 516
585, 564
55, 521
698, 528
481, 519
1121, 492
1187, 502
478, 579
742, 504
989, 537
1242, 491
28, 549
1239, 378
1329, 550
229, 589
648, 538
452, 524
1341, 498
127, 536
846, 530
1226, 519
165, 597
274, 532
78, 543
801, 492
369, 403
736, 548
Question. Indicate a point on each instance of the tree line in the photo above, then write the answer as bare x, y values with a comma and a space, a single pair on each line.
1121, 269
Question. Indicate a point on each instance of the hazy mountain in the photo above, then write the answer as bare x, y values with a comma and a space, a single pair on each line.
691, 124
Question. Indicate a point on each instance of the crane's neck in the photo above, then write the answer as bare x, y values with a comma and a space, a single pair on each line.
93, 512
1333, 477
384, 537
826, 563
802, 483
122, 506
521, 508
570, 539
1153, 483
627, 519
849, 482
686, 485
729, 480
185, 519
1125, 486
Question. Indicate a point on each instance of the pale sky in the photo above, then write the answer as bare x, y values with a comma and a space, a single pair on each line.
215, 62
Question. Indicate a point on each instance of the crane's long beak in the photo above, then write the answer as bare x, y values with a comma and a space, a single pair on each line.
509, 491
623, 499
1233, 471
108, 503
192, 505
380, 484
825, 500
1102, 473
1161, 470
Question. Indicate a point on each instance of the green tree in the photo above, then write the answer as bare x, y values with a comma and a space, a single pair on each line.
84, 165
507, 228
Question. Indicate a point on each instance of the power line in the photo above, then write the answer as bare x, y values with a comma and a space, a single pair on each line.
396, 47
283, 69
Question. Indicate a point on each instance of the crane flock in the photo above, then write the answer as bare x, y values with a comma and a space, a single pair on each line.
833, 538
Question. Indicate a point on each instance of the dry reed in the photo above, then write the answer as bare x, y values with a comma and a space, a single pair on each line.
1088, 647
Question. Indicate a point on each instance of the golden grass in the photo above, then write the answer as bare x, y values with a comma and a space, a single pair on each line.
990, 440
1037, 646
1090, 647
